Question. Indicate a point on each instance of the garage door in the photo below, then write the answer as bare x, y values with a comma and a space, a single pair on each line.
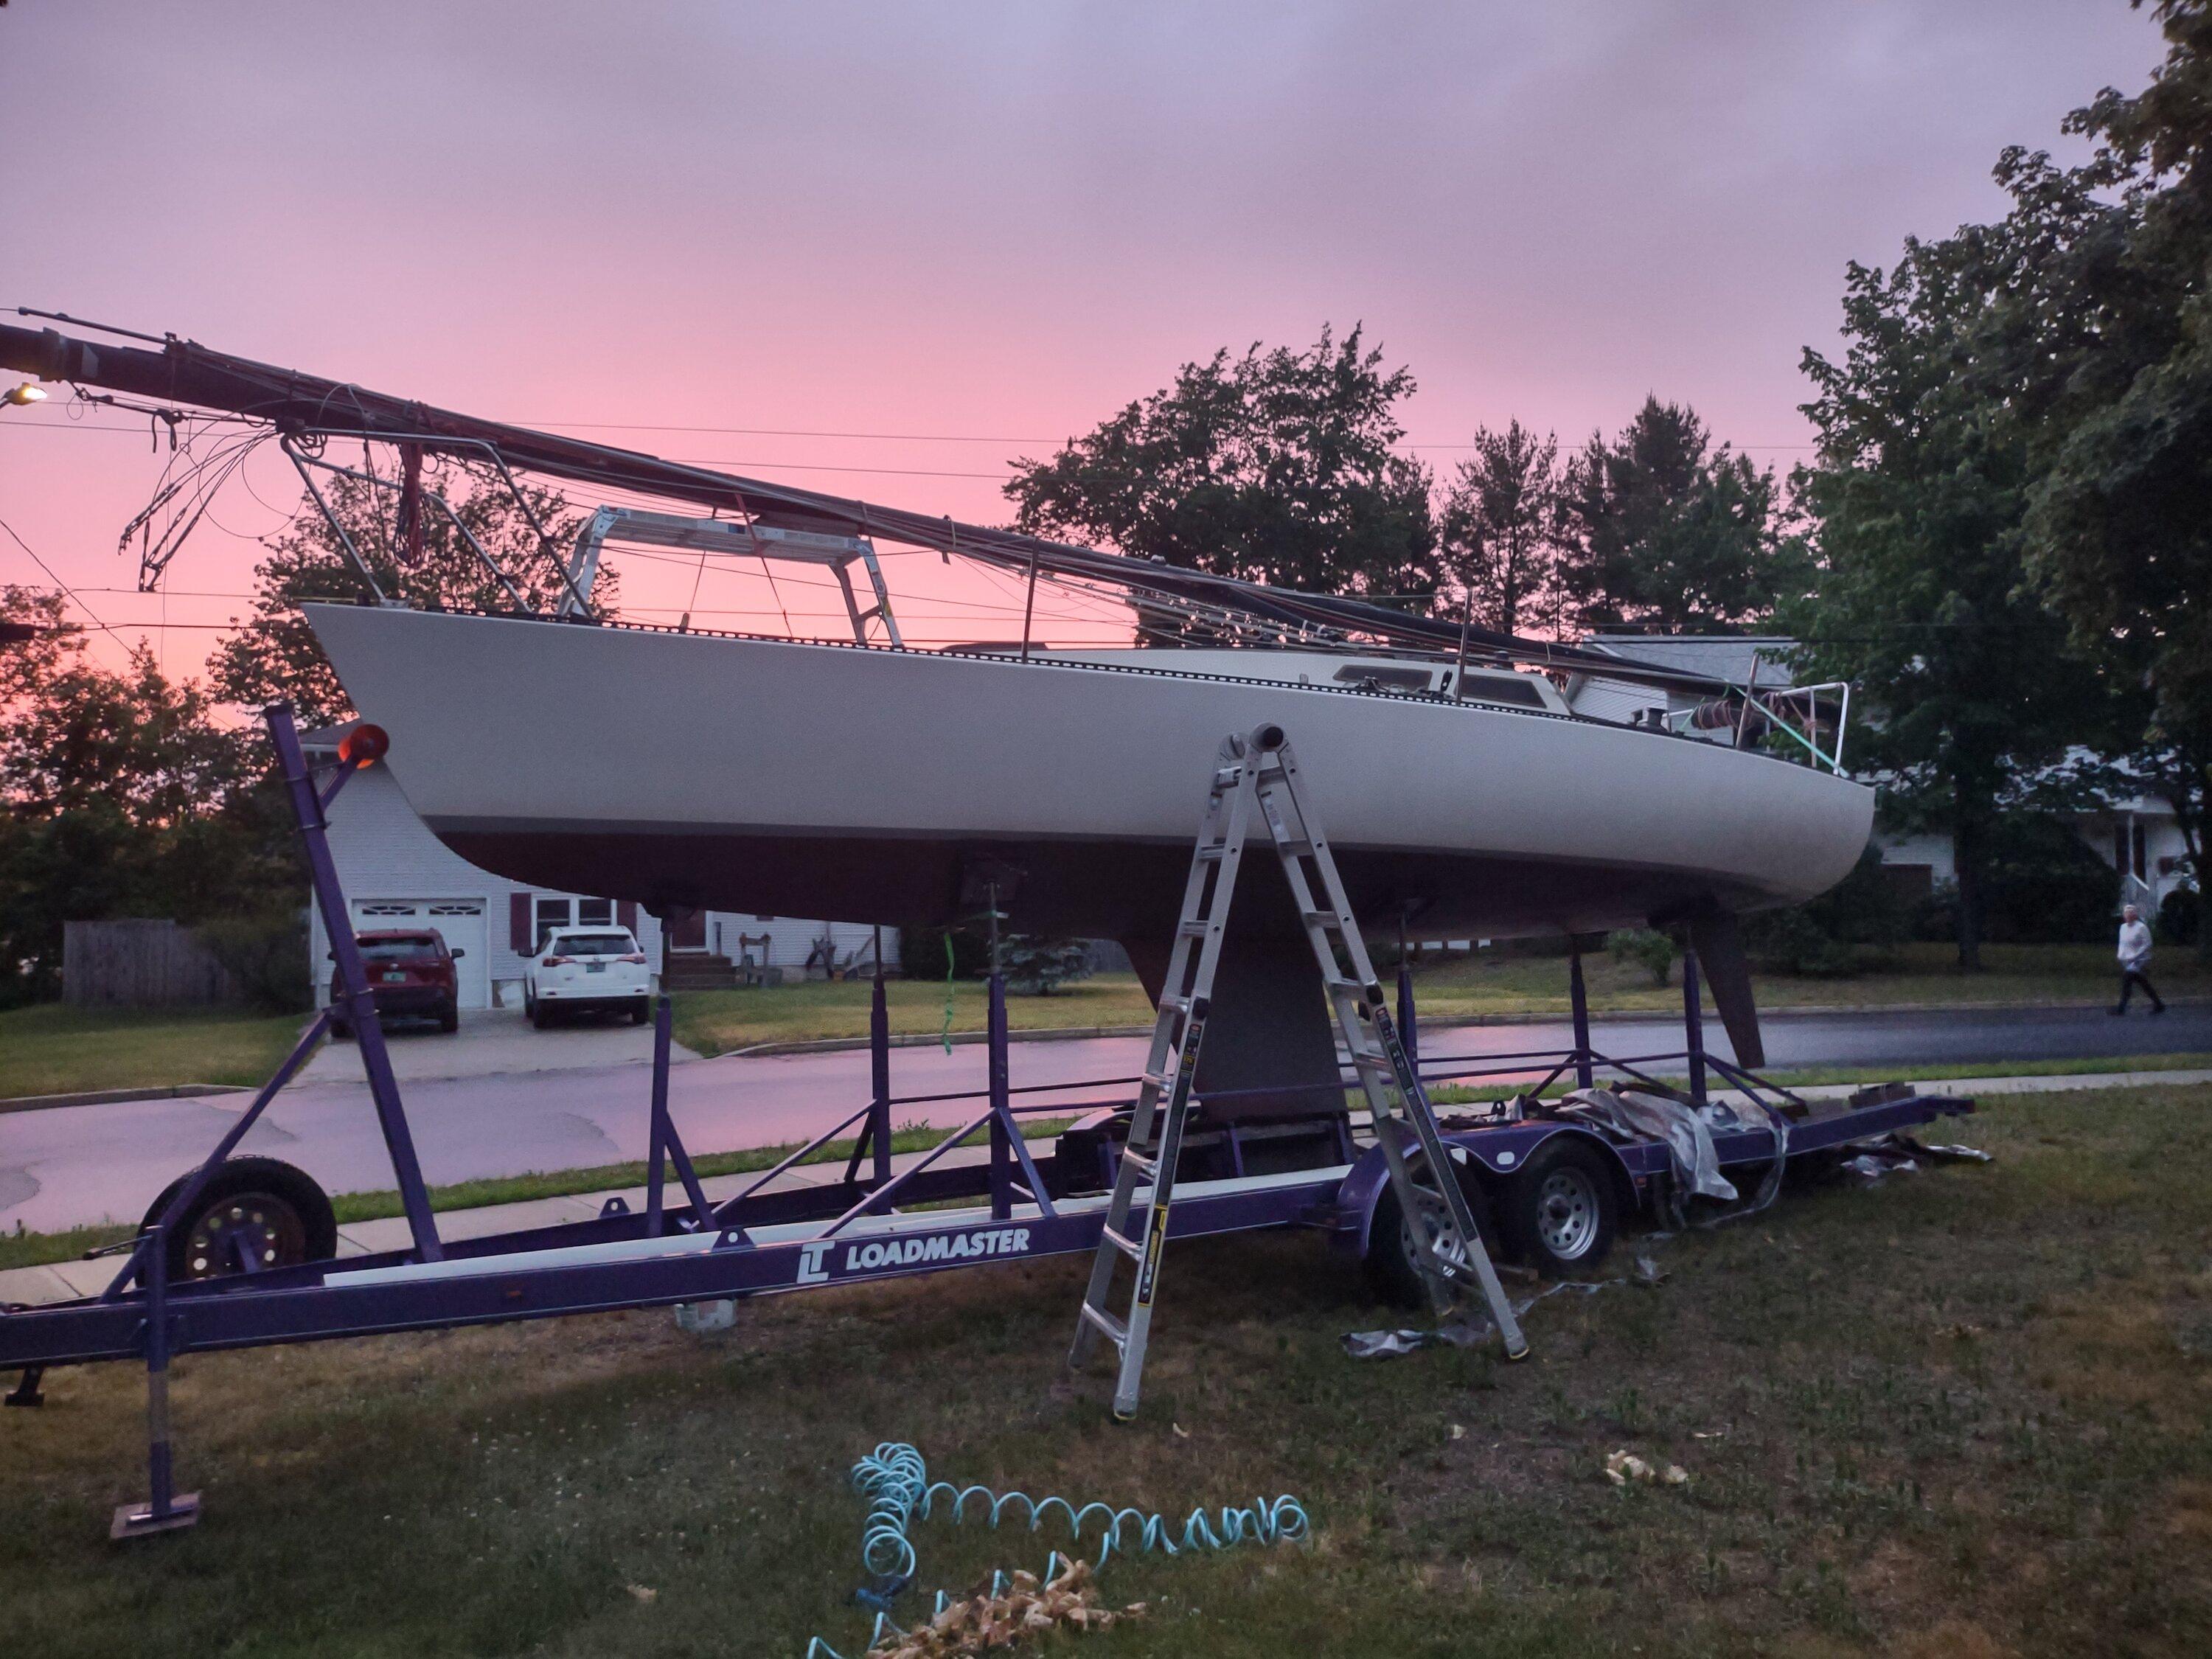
461, 922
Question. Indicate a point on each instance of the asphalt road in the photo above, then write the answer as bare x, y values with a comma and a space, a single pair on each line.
77, 1165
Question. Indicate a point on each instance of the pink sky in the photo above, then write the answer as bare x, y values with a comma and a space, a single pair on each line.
979, 222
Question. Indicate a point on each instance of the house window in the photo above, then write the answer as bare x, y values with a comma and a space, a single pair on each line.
595, 913
552, 913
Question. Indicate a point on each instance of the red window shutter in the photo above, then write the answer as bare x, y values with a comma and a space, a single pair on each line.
518, 923
626, 915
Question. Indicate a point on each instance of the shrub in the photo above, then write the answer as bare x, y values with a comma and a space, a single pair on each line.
2179, 914
266, 956
2047, 886
1036, 967
1641, 947
1793, 942
1855, 925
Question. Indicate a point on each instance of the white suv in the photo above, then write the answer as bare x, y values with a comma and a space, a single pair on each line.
587, 970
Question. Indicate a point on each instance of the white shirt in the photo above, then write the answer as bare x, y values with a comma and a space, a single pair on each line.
2135, 943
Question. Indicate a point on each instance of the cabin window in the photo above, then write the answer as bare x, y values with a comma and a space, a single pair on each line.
1509, 690
1376, 677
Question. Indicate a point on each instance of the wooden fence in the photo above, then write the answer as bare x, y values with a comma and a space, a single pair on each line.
138, 965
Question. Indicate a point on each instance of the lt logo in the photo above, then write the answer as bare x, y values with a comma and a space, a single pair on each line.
810, 1271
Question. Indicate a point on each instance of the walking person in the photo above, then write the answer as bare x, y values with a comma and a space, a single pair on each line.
2134, 962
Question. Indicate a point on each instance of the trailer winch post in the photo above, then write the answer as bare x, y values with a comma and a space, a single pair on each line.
165, 1510
875, 1138
1693, 1024
1579, 998
353, 977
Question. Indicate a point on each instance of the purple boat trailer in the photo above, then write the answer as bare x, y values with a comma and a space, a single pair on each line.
682, 1247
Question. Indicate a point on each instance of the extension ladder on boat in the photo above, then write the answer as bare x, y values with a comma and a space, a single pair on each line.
1260, 774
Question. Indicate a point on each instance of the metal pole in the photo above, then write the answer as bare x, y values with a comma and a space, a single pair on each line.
1029, 605
879, 1070
1579, 995
1466, 623
1002, 1144
329, 898
1408, 1036
656, 1175
1693, 1024
165, 1510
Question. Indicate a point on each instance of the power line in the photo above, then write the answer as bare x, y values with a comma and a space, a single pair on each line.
786, 432
63, 586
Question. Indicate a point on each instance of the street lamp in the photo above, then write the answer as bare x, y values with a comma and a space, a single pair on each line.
24, 396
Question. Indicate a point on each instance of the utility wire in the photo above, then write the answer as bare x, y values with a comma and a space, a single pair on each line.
63, 586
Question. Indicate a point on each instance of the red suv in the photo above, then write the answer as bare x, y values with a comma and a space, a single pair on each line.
410, 973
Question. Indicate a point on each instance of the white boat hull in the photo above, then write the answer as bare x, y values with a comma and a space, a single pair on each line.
780, 778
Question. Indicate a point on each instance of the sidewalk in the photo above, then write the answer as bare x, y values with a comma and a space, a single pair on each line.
62, 1281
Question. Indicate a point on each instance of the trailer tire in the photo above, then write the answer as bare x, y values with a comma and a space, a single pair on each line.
1558, 1213
1389, 1267
290, 1211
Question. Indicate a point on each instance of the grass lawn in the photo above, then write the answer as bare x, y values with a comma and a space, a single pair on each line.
1494, 985
715, 1022
51, 1048
1497, 987
1968, 1412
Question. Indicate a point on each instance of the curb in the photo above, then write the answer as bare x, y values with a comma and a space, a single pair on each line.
959, 1040
118, 1097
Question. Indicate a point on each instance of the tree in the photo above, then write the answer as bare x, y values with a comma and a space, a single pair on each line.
275, 655
1500, 528
2114, 292
1666, 533
1038, 967
1919, 490
1275, 466
124, 795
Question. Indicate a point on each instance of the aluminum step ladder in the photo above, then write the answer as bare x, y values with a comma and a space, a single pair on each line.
1260, 775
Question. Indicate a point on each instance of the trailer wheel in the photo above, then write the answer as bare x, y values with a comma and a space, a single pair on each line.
253, 1209
1559, 1214
1391, 1274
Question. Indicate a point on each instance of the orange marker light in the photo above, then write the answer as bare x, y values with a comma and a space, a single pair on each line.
364, 745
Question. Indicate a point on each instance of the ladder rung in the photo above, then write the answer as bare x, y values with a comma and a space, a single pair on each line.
1157, 1079
1326, 919
1149, 1164
1211, 854
1195, 929
1129, 1247
1180, 1005
1116, 1332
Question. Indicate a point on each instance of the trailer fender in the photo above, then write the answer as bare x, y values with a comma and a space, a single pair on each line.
1492, 1155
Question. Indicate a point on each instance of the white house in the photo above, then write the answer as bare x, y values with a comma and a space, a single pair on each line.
397, 874
2137, 834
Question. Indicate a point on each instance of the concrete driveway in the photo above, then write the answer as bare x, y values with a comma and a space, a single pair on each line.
493, 1042
79, 1164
